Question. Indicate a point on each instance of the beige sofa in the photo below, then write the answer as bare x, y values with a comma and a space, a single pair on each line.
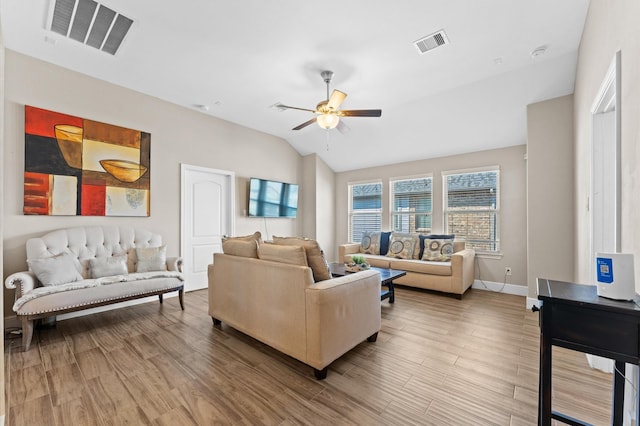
64, 266
280, 305
453, 277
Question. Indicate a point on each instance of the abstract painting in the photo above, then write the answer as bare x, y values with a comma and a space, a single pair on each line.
75, 166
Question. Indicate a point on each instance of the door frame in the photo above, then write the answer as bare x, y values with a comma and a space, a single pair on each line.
231, 201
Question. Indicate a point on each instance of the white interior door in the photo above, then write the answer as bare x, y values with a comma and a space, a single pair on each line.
206, 216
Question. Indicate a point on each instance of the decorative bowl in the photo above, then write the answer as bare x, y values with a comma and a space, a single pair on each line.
70, 143
356, 267
123, 170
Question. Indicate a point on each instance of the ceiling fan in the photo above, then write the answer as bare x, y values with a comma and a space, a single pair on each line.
329, 112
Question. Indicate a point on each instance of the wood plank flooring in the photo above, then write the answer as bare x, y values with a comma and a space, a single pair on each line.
437, 361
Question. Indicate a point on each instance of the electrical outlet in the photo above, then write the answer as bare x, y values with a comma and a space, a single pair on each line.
507, 270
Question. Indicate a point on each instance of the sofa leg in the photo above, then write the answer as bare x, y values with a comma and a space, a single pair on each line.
181, 298
373, 337
27, 333
320, 374
458, 296
216, 321
160, 297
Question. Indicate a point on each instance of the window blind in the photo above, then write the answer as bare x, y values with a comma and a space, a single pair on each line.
411, 204
365, 209
472, 208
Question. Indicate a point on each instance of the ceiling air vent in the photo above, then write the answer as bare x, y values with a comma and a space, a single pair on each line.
90, 23
432, 41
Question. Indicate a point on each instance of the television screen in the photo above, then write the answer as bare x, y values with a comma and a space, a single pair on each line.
268, 198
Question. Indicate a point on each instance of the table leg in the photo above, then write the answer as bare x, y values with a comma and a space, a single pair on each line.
617, 414
544, 386
392, 298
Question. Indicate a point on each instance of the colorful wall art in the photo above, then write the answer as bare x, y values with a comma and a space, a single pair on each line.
75, 166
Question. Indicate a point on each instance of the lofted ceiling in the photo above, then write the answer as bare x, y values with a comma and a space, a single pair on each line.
241, 57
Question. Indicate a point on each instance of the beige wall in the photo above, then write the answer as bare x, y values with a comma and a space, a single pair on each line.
319, 222
178, 135
513, 226
550, 189
610, 26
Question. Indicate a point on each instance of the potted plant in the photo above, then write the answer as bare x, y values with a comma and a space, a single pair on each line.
358, 263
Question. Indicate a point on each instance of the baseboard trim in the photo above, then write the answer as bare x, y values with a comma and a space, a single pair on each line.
518, 290
532, 301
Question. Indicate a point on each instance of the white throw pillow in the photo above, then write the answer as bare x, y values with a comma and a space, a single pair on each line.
108, 266
56, 270
151, 259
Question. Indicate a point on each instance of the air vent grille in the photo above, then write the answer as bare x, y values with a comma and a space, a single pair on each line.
431, 41
90, 23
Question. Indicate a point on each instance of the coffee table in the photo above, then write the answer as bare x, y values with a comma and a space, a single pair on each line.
386, 278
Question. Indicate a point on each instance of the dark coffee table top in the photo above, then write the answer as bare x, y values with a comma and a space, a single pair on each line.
386, 275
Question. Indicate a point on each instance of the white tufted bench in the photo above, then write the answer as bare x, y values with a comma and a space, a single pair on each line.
33, 301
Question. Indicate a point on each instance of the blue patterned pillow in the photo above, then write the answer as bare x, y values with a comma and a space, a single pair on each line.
370, 243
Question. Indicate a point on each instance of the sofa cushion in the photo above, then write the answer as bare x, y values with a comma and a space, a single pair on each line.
370, 242
402, 245
56, 270
431, 237
108, 266
292, 255
384, 242
439, 250
240, 247
151, 259
315, 255
422, 267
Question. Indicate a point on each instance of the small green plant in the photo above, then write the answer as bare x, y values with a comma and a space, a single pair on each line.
357, 259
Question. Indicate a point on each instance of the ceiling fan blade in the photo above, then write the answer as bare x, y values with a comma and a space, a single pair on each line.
360, 113
343, 128
336, 99
305, 124
281, 106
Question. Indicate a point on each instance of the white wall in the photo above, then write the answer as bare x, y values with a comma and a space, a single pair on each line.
610, 26
178, 135
550, 189
513, 226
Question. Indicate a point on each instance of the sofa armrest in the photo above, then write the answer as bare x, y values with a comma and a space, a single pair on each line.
463, 269
347, 249
22, 282
174, 264
341, 313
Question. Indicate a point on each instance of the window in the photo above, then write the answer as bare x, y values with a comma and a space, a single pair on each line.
411, 205
365, 209
471, 208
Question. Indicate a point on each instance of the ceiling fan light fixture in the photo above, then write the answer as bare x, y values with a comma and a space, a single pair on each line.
328, 121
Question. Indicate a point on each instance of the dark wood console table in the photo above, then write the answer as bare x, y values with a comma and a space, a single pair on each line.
574, 317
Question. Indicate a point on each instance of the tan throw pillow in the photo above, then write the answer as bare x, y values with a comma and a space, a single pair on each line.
315, 255
439, 250
256, 236
240, 248
292, 255
370, 242
108, 266
402, 245
151, 259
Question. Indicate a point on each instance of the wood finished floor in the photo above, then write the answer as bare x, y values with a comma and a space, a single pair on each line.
437, 361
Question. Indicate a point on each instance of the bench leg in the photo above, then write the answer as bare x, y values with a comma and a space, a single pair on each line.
181, 298
160, 297
27, 333
320, 374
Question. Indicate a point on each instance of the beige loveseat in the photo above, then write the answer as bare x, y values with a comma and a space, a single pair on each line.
454, 276
280, 305
84, 267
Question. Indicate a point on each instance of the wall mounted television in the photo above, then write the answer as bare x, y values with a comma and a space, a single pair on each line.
268, 198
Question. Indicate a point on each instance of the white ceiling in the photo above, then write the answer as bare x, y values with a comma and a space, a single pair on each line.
240, 57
